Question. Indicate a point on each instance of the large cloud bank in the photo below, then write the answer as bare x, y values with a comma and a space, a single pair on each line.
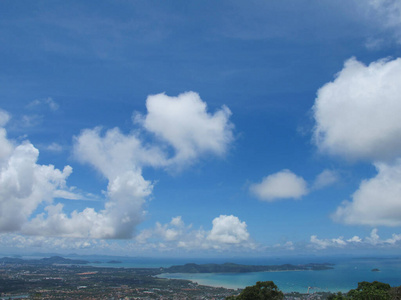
182, 122
358, 117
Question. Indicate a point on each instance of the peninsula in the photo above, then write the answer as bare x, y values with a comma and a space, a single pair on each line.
238, 268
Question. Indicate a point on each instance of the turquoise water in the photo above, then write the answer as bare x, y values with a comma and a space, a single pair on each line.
346, 274
343, 277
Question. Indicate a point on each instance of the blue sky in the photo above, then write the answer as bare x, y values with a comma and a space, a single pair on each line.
200, 128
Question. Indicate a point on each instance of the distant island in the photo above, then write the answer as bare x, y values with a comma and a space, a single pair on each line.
54, 260
187, 268
237, 268
114, 262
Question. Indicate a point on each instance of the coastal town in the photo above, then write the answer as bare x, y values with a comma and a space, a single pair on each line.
60, 278
24, 281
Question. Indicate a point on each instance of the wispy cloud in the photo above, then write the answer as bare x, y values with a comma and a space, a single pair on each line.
325, 179
48, 102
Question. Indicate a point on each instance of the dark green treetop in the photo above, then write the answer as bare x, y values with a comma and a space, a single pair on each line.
262, 290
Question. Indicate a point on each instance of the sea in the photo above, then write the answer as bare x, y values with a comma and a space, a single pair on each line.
345, 275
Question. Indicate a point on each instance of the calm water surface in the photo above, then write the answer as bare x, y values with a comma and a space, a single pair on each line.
344, 276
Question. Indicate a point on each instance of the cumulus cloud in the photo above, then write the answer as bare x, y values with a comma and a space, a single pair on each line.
185, 124
113, 152
377, 201
325, 243
357, 115
118, 158
122, 212
171, 231
227, 232
181, 121
355, 239
326, 178
24, 184
281, 185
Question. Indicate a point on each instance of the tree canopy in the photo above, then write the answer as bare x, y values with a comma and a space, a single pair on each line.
262, 290
367, 291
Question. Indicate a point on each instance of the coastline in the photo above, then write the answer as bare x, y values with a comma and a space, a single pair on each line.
345, 275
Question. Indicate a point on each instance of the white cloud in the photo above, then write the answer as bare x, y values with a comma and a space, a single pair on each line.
388, 14
33, 243
181, 121
184, 123
357, 115
354, 239
325, 243
394, 239
318, 243
48, 102
54, 147
4, 118
6, 148
373, 240
283, 184
24, 184
377, 201
173, 231
228, 230
31, 120
123, 211
113, 152
177, 221
326, 178
286, 246
390, 8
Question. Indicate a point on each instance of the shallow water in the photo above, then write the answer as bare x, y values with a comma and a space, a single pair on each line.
345, 276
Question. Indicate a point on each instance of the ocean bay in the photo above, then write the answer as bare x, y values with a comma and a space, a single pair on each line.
344, 276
